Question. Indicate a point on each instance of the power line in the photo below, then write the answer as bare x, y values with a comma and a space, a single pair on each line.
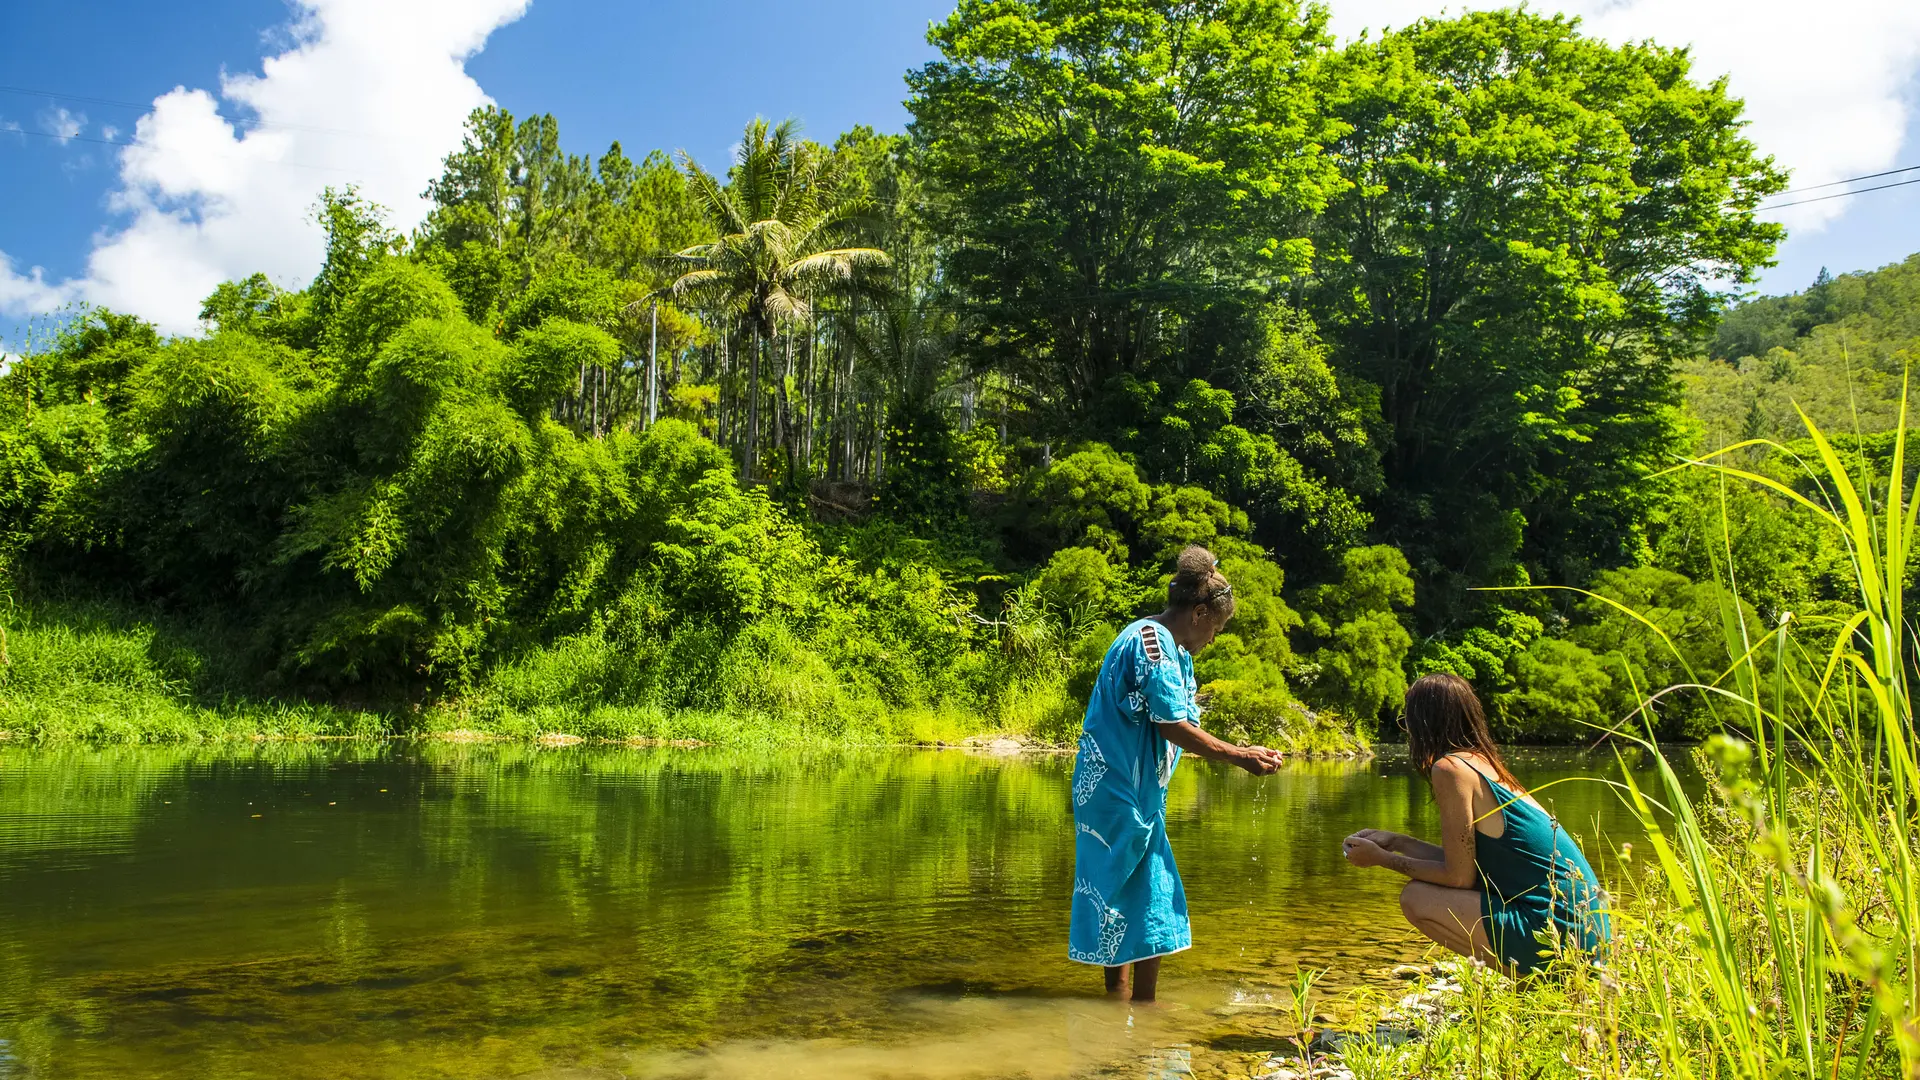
1839, 195
1851, 180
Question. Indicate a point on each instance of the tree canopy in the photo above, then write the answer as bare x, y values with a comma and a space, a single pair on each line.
1399, 329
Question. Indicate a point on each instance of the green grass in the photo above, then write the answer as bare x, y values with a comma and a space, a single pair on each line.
88, 671
66, 679
86, 676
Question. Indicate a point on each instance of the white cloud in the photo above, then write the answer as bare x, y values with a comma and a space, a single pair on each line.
367, 92
31, 292
1828, 92
110, 133
61, 124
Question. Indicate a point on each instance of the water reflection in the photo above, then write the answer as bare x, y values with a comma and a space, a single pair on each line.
427, 910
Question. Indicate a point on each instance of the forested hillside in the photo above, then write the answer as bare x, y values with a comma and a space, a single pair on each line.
1839, 350
880, 436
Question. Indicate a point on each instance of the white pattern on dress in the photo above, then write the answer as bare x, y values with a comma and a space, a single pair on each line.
1093, 766
1113, 927
1166, 764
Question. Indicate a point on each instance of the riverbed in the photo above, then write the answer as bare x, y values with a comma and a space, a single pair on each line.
406, 909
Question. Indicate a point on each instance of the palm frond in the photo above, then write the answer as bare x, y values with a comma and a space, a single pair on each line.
713, 197
836, 265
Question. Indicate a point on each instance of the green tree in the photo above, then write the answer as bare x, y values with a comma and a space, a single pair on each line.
1090, 498
1361, 648
786, 227
1102, 169
1556, 691
1535, 223
357, 239
639, 212
1839, 350
510, 187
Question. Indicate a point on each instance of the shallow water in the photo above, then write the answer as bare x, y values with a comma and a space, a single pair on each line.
410, 910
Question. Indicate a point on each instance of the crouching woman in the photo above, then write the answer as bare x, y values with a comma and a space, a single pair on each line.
1507, 884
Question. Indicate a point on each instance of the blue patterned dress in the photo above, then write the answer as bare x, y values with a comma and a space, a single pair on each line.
1128, 903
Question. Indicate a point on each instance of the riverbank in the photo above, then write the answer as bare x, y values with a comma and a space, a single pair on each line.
86, 716
91, 675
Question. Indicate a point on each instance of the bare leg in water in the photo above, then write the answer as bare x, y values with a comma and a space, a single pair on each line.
1146, 979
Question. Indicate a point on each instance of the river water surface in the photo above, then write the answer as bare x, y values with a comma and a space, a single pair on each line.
417, 910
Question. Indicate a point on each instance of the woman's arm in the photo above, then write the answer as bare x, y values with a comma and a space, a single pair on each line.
1454, 785
1257, 760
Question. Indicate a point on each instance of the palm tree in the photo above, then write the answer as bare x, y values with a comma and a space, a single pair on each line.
786, 228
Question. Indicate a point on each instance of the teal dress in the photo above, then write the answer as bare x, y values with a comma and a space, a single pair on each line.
1128, 903
1533, 878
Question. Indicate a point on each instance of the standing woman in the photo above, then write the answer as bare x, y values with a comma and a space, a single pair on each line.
1128, 905
1507, 875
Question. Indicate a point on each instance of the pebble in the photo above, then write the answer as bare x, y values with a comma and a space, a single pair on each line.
1295, 1069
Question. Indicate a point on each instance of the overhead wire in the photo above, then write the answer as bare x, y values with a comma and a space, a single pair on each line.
1836, 195
1851, 180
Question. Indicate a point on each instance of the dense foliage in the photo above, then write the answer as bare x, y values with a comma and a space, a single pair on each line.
884, 437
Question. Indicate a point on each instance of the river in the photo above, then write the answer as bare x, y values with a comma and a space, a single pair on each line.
403, 909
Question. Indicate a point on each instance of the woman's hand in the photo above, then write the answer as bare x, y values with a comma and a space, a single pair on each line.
1388, 841
1363, 851
1259, 760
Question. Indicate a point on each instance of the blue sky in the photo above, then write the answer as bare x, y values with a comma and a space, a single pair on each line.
371, 92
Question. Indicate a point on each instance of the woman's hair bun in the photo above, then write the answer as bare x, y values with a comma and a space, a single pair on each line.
1197, 580
1195, 561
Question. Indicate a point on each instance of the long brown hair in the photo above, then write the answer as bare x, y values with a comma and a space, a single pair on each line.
1444, 717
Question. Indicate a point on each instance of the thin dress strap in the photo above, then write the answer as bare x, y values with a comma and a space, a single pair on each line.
1495, 789
1514, 798
1468, 762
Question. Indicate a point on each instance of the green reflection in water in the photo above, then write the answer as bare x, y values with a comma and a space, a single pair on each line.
424, 910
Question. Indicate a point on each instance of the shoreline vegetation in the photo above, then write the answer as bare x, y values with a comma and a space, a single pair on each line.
92, 678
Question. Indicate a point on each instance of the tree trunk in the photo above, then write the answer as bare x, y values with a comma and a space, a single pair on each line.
753, 406
577, 406
836, 394
720, 389
850, 408
809, 405
788, 413
778, 399
653, 368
